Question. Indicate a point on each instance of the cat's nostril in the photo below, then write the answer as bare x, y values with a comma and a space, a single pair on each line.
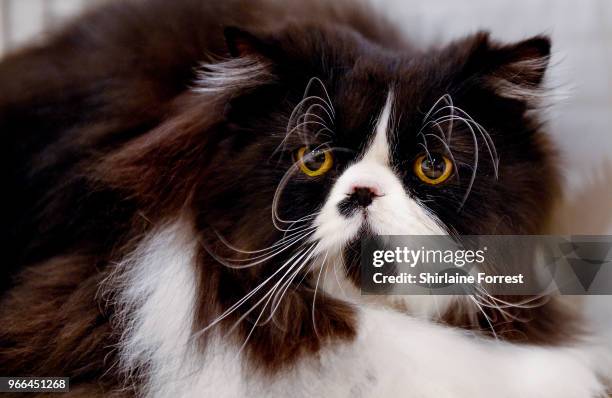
362, 196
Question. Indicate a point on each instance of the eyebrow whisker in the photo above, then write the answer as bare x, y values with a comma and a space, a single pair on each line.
448, 150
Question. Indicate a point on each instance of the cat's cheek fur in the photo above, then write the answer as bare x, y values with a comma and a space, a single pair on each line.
391, 355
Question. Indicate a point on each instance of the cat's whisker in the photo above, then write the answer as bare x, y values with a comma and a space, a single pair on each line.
298, 108
314, 296
304, 123
435, 105
476, 158
302, 220
246, 297
449, 130
270, 253
474, 169
328, 102
493, 302
280, 242
283, 144
323, 132
451, 124
257, 262
471, 124
273, 294
305, 100
282, 291
341, 262
424, 146
294, 119
487, 303
276, 219
322, 145
525, 304
489, 321
311, 108
466, 118
268, 296
448, 150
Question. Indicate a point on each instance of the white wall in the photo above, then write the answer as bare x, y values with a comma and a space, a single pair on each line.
22, 20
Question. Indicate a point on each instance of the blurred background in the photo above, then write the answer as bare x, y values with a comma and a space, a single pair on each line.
580, 120
24, 20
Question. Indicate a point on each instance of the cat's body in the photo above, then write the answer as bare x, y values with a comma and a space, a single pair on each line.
166, 241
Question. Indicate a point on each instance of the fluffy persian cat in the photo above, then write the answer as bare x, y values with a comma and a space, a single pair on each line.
187, 181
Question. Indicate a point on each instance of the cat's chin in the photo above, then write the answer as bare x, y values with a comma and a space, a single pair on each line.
351, 251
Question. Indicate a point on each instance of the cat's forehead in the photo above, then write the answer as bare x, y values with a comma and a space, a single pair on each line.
359, 106
416, 85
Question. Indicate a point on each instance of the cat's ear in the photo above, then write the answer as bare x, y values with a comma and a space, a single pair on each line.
241, 43
514, 71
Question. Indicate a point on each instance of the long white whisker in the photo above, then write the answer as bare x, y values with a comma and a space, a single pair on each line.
239, 303
324, 109
291, 271
433, 107
314, 296
448, 150
451, 125
321, 132
485, 134
290, 227
281, 293
276, 219
328, 102
475, 167
280, 242
260, 260
268, 296
485, 315
271, 253
283, 143
337, 278
425, 149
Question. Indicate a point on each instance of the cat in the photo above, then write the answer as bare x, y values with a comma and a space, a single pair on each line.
188, 182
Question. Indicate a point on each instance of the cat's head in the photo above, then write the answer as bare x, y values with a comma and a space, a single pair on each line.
333, 136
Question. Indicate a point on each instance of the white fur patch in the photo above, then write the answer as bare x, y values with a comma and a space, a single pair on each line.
232, 74
156, 302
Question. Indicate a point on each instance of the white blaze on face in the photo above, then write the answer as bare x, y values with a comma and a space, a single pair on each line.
392, 211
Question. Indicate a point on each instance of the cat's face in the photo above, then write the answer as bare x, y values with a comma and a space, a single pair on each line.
346, 138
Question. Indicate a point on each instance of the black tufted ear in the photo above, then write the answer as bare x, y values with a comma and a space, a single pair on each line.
522, 70
514, 71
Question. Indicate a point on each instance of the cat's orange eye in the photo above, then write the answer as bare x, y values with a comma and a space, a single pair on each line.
433, 169
314, 163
